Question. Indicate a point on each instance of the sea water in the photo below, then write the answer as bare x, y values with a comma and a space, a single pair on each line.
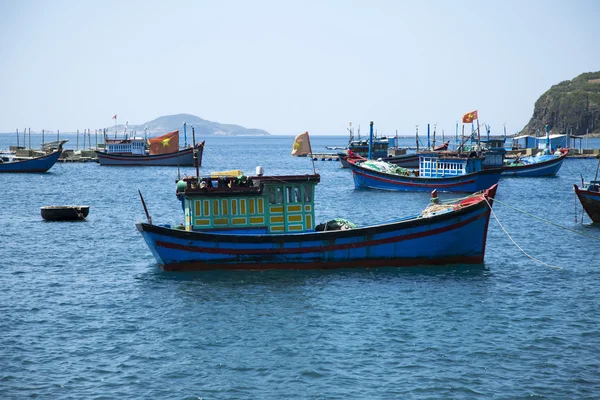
86, 313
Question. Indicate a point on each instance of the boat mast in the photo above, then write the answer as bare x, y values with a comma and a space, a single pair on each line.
428, 139
18, 137
195, 154
434, 130
185, 135
371, 140
417, 137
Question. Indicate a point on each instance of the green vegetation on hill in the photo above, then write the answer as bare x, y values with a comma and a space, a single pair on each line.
570, 105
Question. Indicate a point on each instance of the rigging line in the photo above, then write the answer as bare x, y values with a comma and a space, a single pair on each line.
547, 221
515, 243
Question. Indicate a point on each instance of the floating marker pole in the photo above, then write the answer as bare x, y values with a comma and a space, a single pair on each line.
42, 138
77, 142
29, 138
18, 137
371, 140
58, 135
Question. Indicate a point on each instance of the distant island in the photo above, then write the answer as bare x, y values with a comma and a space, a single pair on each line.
201, 126
570, 106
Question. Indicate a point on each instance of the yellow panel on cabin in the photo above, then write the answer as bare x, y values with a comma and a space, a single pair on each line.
242, 206
294, 218
224, 206
233, 207
295, 228
238, 221
257, 220
276, 209
308, 222
202, 222
221, 221
307, 208
277, 220
294, 208
206, 205
197, 204
261, 209
251, 204
216, 207
277, 229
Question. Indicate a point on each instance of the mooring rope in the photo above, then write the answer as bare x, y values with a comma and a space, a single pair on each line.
547, 221
515, 243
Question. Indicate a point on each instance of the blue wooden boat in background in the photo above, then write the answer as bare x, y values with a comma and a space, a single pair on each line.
268, 222
445, 173
37, 164
534, 166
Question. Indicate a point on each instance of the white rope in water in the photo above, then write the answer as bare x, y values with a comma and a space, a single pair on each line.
515, 243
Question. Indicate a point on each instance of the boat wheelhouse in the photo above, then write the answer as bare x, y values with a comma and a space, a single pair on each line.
260, 204
132, 146
436, 171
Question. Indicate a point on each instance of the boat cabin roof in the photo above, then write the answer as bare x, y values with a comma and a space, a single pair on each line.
232, 186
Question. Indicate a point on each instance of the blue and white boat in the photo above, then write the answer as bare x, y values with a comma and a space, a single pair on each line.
534, 166
446, 173
268, 222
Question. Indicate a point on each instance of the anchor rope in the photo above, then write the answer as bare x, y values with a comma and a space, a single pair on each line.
515, 243
547, 221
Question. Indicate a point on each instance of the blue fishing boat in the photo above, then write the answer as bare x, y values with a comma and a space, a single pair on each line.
446, 173
37, 164
534, 166
159, 151
268, 222
589, 196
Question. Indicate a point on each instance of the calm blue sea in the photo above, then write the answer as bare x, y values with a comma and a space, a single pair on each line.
85, 313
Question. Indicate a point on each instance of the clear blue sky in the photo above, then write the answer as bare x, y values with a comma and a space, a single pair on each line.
288, 67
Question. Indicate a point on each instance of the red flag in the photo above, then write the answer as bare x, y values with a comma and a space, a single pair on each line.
469, 117
168, 143
114, 116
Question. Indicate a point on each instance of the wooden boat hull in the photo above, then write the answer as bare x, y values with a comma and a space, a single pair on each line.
365, 178
182, 158
65, 213
456, 237
544, 168
39, 164
590, 202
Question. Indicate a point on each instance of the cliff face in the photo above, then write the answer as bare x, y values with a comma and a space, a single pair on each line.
570, 105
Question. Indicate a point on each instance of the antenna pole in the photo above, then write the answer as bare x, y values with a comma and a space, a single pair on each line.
195, 152
145, 208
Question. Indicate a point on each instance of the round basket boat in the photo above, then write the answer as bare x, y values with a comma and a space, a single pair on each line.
65, 213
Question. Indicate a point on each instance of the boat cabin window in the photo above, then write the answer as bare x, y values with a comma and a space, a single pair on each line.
275, 195
308, 193
293, 194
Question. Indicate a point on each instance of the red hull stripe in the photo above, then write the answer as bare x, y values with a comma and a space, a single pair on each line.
319, 249
409, 183
145, 158
372, 263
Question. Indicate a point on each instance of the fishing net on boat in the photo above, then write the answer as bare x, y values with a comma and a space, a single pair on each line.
336, 224
437, 209
383, 166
